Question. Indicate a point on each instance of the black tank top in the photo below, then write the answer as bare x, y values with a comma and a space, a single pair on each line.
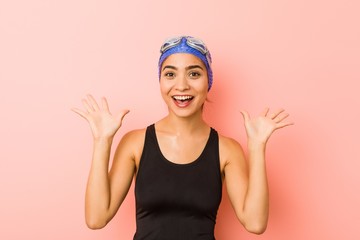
177, 201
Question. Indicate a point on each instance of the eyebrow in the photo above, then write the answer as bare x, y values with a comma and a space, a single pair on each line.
169, 66
187, 68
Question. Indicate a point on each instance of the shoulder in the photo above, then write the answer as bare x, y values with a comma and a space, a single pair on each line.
132, 142
134, 136
230, 150
228, 144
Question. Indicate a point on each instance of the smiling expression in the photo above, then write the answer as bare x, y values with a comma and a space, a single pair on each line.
184, 84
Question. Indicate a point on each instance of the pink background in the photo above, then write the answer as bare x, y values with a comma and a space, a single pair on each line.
300, 55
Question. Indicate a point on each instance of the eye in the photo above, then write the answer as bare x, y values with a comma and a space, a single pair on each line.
194, 74
169, 75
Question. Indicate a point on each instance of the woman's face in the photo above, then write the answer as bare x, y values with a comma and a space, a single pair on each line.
184, 84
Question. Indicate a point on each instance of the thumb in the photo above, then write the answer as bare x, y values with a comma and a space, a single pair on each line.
245, 115
120, 116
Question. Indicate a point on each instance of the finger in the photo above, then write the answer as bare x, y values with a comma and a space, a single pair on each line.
105, 104
279, 118
265, 112
281, 125
245, 115
275, 114
122, 114
93, 102
81, 113
87, 105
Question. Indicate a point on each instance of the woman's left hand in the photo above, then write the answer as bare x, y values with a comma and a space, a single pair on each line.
259, 129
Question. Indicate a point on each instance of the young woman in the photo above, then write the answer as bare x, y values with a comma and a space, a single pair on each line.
179, 163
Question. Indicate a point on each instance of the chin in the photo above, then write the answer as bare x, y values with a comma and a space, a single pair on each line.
186, 113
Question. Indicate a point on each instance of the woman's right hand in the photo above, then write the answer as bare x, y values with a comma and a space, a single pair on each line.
103, 124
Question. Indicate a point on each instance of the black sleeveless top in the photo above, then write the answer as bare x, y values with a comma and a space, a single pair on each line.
177, 201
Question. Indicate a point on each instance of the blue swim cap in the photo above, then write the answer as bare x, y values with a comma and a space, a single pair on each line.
187, 44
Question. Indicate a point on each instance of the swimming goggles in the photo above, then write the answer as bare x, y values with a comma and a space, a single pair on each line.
190, 41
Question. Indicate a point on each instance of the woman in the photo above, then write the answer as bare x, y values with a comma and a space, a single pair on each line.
179, 162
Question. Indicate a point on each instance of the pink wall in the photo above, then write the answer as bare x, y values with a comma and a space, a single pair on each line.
300, 55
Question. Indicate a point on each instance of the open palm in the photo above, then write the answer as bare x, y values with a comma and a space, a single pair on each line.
260, 128
102, 123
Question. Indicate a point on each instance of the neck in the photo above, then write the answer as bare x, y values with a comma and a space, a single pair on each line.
183, 125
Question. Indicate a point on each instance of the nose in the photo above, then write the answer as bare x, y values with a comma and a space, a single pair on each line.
182, 83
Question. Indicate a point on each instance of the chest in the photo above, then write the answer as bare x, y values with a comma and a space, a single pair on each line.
181, 150
162, 185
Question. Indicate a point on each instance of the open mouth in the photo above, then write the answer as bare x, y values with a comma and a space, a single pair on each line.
182, 100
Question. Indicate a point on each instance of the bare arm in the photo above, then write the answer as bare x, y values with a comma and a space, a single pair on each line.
247, 184
106, 191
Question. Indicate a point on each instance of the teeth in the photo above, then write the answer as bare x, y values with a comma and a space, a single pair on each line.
182, 98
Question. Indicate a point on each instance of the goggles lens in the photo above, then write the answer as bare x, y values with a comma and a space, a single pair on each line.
190, 41
197, 44
170, 43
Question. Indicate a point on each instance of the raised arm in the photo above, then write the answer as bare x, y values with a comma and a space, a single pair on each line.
246, 182
105, 191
